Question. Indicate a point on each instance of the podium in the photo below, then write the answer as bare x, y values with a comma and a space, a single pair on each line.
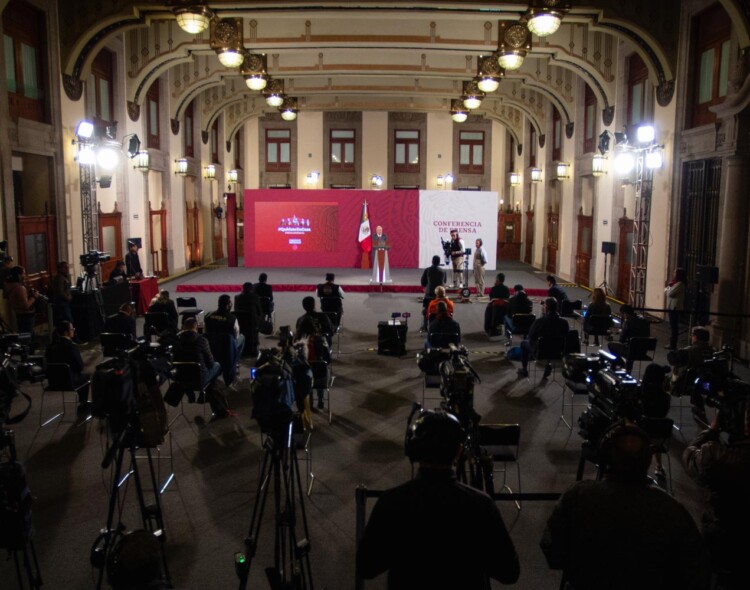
380, 270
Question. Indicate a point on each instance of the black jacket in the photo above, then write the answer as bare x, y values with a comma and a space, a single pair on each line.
548, 326
133, 263
193, 348
120, 323
432, 277
63, 350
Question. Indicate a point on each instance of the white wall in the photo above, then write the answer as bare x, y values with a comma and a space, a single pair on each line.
375, 147
310, 148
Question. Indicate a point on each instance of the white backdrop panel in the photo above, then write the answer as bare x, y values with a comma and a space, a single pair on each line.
473, 213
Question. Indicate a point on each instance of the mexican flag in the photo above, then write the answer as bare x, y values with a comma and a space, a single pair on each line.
365, 238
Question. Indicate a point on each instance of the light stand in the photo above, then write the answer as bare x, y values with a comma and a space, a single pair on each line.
607, 249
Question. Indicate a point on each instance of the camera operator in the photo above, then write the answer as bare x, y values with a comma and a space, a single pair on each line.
621, 531
724, 469
457, 249
433, 532
684, 362
62, 349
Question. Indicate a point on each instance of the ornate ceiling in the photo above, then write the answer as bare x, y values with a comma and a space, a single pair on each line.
360, 55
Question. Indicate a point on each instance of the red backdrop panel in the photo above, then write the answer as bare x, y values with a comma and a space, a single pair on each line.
320, 228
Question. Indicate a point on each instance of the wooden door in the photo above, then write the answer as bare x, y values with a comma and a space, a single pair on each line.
624, 258
110, 239
509, 236
37, 247
529, 250
583, 252
157, 233
218, 235
553, 223
192, 236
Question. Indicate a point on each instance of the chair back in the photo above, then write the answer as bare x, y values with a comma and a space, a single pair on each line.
331, 304
522, 322
186, 302
248, 322
550, 348
568, 308
156, 321
321, 374
188, 374
114, 343
598, 325
501, 441
572, 342
638, 348
59, 377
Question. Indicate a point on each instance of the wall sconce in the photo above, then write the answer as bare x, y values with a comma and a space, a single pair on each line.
218, 211
440, 180
209, 172
312, 178
376, 180
515, 179
563, 170
233, 175
598, 165
142, 161
536, 175
182, 166
226, 40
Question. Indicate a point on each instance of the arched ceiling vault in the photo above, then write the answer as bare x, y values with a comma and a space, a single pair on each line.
396, 55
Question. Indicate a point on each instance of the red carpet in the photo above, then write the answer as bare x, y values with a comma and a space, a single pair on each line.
226, 288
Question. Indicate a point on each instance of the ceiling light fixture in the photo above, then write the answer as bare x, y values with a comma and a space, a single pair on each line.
289, 109
274, 93
226, 40
471, 95
193, 19
458, 112
513, 44
255, 69
489, 73
545, 17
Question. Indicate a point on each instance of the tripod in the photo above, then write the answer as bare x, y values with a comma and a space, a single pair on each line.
151, 515
21, 545
291, 568
604, 286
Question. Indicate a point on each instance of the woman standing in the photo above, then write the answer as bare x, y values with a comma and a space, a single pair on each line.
675, 293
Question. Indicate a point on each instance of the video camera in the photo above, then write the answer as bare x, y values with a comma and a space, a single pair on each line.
612, 392
446, 250
724, 391
272, 390
457, 379
16, 365
93, 257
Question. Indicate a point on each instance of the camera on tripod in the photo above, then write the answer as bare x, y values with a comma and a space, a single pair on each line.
272, 391
93, 257
613, 393
457, 379
724, 391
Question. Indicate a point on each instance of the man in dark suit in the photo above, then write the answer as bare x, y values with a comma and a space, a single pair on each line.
132, 262
550, 325
249, 313
331, 299
123, 322
432, 277
63, 350
265, 292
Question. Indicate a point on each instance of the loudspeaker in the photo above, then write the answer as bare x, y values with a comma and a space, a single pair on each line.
707, 274
608, 248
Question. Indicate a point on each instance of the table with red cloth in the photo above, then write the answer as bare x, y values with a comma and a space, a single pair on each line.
143, 292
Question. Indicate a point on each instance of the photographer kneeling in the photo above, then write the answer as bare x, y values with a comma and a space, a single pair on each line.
434, 532
724, 469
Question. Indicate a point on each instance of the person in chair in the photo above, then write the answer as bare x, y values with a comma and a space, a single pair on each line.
316, 329
633, 326
432, 531
684, 361
192, 347
123, 322
162, 303
443, 330
555, 291
518, 303
223, 321
550, 325
62, 349
119, 273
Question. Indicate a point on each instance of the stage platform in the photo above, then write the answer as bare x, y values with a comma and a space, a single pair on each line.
228, 280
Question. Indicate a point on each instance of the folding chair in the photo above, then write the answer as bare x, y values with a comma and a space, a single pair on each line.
114, 343
659, 431
571, 309
188, 374
302, 440
502, 443
59, 378
597, 326
323, 378
549, 351
187, 307
638, 349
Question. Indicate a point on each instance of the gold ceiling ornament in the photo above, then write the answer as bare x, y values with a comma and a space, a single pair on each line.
514, 42
489, 73
289, 108
458, 112
274, 92
226, 40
